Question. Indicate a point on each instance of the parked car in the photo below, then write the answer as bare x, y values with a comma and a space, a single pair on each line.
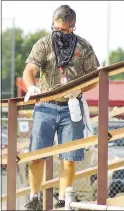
115, 150
113, 124
117, 184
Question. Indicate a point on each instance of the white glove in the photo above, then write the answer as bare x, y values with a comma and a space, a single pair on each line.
32, 90
73, 94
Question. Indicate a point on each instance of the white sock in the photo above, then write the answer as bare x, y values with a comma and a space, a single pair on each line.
61, 198
62, 195
32, 195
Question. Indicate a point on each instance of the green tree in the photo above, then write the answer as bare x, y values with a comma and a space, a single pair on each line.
115, 57
7, 56
23, 46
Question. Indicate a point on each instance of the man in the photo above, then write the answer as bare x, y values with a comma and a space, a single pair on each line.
60, 57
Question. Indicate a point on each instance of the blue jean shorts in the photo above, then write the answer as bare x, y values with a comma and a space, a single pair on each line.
50, 118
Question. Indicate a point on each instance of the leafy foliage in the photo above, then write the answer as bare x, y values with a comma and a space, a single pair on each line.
117, 56
23, 46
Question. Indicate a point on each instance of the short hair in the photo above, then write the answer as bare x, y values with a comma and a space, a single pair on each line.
65, 14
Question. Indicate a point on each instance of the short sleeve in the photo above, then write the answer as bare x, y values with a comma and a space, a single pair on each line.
38, 54
91, 62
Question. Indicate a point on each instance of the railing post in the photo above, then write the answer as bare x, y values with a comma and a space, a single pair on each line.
48, 193
11, 158
102, 188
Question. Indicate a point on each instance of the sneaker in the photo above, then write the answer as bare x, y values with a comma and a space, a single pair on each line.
34, 204
59, 204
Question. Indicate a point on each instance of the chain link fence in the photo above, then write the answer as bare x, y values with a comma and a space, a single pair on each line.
115, 152
86, 188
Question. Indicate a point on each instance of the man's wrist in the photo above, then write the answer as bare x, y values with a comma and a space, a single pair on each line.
29, 86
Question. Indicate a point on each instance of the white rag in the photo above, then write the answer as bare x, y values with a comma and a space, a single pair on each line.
88, 131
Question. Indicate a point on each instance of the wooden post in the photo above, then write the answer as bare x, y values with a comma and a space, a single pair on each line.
48, 193
102, 189
11, 158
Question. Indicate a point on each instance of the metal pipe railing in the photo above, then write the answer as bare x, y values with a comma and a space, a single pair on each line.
86, 206
70, 203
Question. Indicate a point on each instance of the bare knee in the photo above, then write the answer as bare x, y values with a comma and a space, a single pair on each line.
35, 162
68, 164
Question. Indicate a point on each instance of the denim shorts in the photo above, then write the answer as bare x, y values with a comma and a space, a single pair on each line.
50, 118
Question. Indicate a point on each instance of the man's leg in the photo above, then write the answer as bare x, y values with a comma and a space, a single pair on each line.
36, 175
43, 132
66, 176
68, 131
36, 168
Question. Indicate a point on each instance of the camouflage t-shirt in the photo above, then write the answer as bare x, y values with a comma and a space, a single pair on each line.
82, 62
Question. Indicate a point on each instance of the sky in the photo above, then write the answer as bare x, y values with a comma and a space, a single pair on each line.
91, 22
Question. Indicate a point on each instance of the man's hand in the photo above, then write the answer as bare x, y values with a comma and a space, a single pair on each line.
73, 94
32, 90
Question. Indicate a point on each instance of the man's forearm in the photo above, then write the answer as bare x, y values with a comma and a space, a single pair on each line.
29, 75
28, 79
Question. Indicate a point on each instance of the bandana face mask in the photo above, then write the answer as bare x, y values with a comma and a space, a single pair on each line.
64, 46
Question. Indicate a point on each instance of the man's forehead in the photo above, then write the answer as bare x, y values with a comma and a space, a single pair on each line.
62, 24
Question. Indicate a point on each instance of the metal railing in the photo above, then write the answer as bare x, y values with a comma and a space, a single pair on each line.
100, 75
71, 204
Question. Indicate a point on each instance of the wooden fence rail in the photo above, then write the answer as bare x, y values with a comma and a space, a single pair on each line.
66, 147
112, 113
